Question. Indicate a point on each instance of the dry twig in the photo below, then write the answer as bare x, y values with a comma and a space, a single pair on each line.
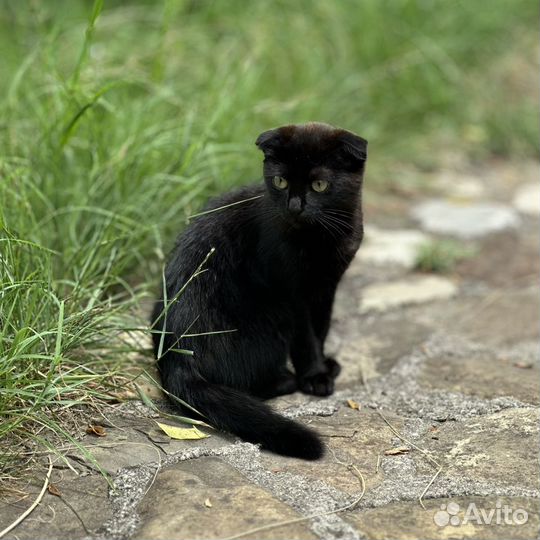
33, 505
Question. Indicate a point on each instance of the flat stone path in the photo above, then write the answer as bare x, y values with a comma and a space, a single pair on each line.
438, 400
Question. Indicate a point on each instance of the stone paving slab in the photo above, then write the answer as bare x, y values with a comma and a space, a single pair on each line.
507, 259
80, 511
207, 498
374, 345
410, 522
493, 317
483, 374
351, 436
382, 247
135, 441
465, 220
413, 290
482, 448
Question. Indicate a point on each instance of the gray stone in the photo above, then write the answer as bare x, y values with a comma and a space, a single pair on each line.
207, 498
464, 220
483, 374
527, 199
499, 449
124, 449
498, 317
372, 347
357, 361
351, 436
415, 290
78, 512
386, 247
311, 497
133, 441
504, 260
133, 483
409, 521
400, 391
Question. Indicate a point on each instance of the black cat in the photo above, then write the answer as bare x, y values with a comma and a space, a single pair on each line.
273, 255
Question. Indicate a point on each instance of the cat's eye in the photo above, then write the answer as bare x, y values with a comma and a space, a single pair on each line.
320, 185
280, 182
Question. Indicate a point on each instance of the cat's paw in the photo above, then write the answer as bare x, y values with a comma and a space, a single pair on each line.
281, 386
322, 383
332, 366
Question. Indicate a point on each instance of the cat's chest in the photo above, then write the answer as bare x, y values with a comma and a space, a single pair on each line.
304, 266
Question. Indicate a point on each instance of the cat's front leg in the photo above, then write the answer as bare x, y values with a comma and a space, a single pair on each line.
315, 373
321, 312
320, 308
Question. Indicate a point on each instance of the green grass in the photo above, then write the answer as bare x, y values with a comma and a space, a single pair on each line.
117, 123
442, 256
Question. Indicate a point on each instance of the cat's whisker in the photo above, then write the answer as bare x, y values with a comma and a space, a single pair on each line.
338, 252
344, 215
327, 229
342, 225
330, 227
344, 218
339, 224
339, 211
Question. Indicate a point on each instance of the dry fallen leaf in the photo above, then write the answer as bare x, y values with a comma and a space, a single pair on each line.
182, 433
53, 490
98, 431
208, 503
523, 365
353, 404
396, 451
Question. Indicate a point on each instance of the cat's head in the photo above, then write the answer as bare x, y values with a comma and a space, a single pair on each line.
313, 172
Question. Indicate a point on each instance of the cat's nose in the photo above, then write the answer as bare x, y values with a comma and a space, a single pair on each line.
295, 205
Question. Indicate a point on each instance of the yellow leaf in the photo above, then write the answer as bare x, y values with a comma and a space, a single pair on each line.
353, 405
208, 503
182, 433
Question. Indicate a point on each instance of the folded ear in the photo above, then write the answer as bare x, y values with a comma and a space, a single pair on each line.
269, 140
354, 145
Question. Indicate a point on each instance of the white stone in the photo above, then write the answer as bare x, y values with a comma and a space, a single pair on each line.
399, 247
465, 220
527, 199
416, 290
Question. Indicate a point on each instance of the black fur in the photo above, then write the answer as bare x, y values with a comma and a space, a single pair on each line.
271, 280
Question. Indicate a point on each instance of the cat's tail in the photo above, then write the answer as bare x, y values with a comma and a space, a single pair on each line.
242, 415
